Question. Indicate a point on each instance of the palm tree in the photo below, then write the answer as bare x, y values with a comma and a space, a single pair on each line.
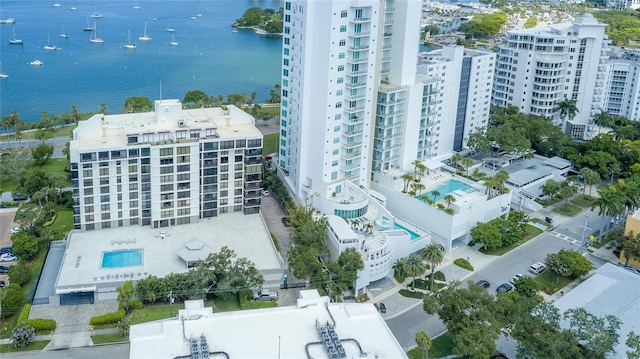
489, 184
467, 162
602, 119
415, 164
398, 267
422, 169
456, 158
414, 267
567, 108
435, 195
417, 187
590, 178
610, 203
434, 255
75, 115
449, 198
407, 178
423, 339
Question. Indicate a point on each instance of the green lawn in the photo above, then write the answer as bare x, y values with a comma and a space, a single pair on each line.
530, 233
37, 345
548, 280
58, 132
53, 165
63, 223
108, 338
583, 201
441, 347
226, 305
538, 220
270, 144
567, 209
155, 312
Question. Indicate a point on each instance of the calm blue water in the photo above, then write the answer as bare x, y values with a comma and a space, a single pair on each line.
448, 187
119, 259
413, 235
209, 57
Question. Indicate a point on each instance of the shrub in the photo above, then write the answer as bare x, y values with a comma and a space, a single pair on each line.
22, 335
19, 273
410, 294
25, 245
42, 326
463, 263
108, 319
24, 313
12, 300
136, 304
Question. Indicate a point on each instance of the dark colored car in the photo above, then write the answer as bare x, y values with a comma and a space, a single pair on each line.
19, 197
383, 308
2, 284
483, 283
504, 287
4, 270
4, 250
286, 222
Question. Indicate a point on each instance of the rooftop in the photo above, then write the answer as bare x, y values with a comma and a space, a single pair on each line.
281, 332
247, 235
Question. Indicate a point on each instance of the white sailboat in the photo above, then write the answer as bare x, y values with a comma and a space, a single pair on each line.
136, 6
89, 27
144, 37
96, 15
173, 41
129, 45
2, 74
64, 35
50, 46
94, 36
15, 41
36, 62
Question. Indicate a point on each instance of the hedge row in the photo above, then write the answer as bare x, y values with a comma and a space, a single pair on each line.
109, 318
136, 304
42, 326
24, 313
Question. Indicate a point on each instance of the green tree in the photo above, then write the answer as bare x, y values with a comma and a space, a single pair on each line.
630, 247
41, 154
478, 141
597, 336
126, 293
25, 245
19, 273
488, 234
13, 298
137, 104
435, 195
398, 267
449, 198
633, 342
526, 286
407, 178
433, 254
566, 108
551, 189
590, 177
225, 273
423, 340
575, 262
414, 267
609, 203
195, 99
558, 266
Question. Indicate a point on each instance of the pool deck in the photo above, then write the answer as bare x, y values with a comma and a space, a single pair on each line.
81, 268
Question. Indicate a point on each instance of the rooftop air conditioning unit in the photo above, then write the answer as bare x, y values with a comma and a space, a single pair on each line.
182, 122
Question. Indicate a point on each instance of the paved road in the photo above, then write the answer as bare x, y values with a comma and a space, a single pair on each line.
565, 236
113, 351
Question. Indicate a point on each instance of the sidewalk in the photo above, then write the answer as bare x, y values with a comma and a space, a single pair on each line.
70, 340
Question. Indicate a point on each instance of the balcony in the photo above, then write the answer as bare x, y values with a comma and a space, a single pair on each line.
360, 19
354, 110
355, 97
358, 48
353, 144
252, 186
351, 85
358, 61
358, 34
348, 156
389, 9
349, 167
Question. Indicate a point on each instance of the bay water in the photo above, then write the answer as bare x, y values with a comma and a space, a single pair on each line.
208, 57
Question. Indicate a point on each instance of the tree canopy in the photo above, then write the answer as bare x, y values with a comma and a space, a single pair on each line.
482, 25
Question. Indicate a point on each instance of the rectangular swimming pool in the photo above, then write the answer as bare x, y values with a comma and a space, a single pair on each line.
123, 258
413, 235
448, 187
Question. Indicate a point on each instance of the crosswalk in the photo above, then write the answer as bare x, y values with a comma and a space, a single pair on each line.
565, 238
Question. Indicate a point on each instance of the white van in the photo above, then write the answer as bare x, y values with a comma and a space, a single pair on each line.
537, 268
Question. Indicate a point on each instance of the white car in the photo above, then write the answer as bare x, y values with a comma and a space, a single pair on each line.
516, 278
8, 257
15, 230
264, 192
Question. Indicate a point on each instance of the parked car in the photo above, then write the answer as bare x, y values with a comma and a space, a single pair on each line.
2, 284
4, 269
504, 287
483, 283
19, 197
286, 222
7, 257
264, 192
516, 278
15, 230
265, 294
383, 308
537, 268
4, 250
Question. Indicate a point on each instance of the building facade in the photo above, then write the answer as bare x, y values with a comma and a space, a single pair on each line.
622, 85
165, 168
623, 4
538, 68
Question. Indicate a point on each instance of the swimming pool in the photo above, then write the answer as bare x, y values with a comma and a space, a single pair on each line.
123, 258
448, 187
413, 235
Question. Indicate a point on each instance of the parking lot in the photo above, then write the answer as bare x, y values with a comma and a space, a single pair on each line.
6, 223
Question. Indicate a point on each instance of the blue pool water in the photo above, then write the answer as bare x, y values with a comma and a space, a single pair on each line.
448, 187
413, 235
119, 259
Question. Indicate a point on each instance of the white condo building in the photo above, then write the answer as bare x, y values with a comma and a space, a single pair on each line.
539, 67
622, 84
359, 107
623, 4
165, 168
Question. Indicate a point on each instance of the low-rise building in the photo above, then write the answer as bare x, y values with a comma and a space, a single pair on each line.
313, 328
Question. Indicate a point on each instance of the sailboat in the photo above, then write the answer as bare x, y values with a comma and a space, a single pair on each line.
15, 41
144, 37
64, 35
50, 46
88, 27
129, 45
2, 74
173, 41
94, 36
96, 15
136, 6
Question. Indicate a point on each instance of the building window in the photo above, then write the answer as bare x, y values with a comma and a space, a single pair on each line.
343, 28
342, 43
340, 68
343, 14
